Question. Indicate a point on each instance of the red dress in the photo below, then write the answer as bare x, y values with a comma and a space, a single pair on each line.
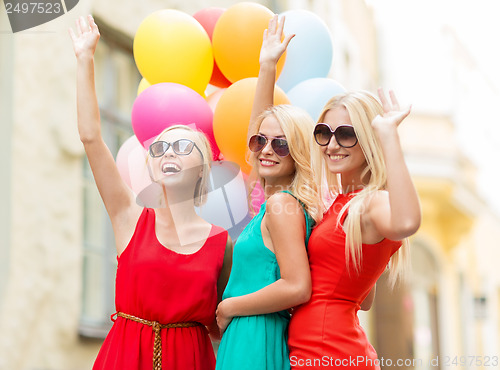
325, 332
157, 284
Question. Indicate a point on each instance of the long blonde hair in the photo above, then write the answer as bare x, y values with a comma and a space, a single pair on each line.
201, 189
297, 126
362, 108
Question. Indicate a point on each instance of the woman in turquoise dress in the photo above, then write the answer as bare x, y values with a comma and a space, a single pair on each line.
270, 272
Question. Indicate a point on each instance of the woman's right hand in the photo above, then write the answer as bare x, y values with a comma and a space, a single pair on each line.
272, 46
222, 315
86, 37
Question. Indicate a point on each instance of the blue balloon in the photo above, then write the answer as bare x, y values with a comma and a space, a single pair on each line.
227, 204
312, 95
310, 53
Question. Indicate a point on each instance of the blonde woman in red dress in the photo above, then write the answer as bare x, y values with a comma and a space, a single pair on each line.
172, 265
375, 209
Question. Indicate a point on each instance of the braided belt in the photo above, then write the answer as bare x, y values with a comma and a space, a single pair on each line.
157, 329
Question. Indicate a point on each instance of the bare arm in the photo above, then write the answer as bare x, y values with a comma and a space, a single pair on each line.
271, 51
117, 197
286, 224
396, 213
214, 331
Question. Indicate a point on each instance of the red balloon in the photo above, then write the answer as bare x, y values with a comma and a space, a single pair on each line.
208, 18
218, 79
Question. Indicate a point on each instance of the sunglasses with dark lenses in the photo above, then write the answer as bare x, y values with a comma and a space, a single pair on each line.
279, 145
180, 147
345, 135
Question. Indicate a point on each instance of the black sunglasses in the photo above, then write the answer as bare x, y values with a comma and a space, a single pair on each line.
279, 145
180, 147
344, 135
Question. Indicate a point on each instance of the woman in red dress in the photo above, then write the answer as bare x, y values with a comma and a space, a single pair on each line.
375, 209
172, 265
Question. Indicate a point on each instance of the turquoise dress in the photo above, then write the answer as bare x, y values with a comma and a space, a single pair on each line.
255, 342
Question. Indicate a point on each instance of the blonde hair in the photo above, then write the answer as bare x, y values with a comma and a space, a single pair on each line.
362, 108
297, 126
201, 189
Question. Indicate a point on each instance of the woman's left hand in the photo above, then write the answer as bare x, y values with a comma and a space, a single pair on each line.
395, 213
222, 316
393, 115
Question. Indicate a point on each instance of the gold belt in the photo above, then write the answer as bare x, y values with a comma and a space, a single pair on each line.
157, 329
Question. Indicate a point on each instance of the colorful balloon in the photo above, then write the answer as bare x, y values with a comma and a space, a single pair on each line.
232, 116
237, 40
131, 164
310, 53
166, 104
208, 18
257, 195
172, 46
226, 204
312, 95
214, 98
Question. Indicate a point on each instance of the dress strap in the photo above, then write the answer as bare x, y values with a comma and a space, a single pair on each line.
218, 239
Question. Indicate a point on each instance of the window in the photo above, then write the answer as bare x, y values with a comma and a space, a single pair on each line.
116, 83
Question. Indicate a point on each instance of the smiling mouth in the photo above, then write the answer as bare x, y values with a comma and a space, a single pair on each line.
170, 168
337, 157
265, 162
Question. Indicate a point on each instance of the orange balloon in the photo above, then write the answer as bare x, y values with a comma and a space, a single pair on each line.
237, 39
232, 116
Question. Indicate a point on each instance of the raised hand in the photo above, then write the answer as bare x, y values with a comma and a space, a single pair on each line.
272, 45
393, 115
86, 37
270, 52
394, 213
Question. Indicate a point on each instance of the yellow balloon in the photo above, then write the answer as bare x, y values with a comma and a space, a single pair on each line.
144, 84
172, 46
232, 116
237, 39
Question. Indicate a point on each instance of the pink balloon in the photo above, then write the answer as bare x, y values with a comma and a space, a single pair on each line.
208, 17
258, 197
165, 104
131, 163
